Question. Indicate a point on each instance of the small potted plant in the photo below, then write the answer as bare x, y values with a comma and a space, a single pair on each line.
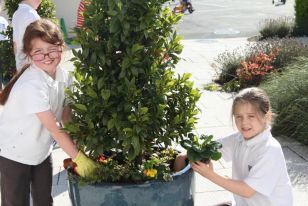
202, 149
129, 106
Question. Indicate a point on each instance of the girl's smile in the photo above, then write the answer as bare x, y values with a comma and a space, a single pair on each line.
46, 56
248, 120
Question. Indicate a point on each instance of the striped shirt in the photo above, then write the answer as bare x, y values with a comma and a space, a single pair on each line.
80, 11
80, 18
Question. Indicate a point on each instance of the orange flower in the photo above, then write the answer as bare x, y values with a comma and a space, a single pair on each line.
102, 159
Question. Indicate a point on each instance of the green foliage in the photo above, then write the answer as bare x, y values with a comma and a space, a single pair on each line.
46, 8
203, 150
212, 87
157, 165
229, 63
301, 16
289, 98
126, 98
7, 57
281, 27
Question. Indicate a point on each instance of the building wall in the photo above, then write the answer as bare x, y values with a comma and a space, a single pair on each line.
67, 9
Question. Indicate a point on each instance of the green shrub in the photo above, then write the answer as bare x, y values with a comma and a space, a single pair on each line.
226, 65
289, 98
127, 101
301, 17
281, 27
288, 50
253, 70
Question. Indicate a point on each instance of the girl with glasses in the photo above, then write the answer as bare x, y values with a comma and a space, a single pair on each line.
34, 107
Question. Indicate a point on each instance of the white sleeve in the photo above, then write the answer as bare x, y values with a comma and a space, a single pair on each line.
20, 24
35, 97
265, 173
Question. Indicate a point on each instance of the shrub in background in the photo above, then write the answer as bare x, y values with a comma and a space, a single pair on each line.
281, 27
289, 49
301, 17
289, 98
226, 65
254, 69
232, 67
7, 57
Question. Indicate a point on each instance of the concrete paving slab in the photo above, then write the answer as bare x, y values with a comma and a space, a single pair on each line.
212, 198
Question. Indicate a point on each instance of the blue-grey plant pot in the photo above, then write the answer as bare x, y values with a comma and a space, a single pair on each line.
152, 193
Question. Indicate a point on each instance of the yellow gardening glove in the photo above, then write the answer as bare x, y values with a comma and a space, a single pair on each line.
85, 166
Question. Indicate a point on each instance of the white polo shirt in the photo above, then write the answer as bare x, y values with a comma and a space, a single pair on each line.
260, 163
22, 17
22, 136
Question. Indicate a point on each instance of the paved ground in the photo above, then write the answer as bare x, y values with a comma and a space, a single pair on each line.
230, 18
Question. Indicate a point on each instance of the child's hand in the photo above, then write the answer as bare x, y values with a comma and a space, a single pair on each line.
180, 162
85, 166
202, 168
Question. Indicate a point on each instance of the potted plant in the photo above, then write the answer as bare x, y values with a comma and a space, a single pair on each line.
129, 107
7, 57
202, 149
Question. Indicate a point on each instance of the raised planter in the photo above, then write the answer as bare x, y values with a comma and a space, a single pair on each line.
153, 193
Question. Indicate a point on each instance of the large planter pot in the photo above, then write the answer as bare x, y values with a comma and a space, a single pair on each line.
152, 193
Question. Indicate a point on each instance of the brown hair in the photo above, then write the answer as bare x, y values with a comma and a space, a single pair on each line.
43, 29
254, 96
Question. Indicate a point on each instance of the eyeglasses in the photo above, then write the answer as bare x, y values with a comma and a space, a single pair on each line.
51, 55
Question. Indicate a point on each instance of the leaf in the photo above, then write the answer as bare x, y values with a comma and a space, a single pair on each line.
131, 153
105, 94
143, 110
81, 107
112, 13
193, 156
216, 155
136, 144
137, 47
186, 76
186, 144
206, 138
90, 124
110, 124
114, 25
91, 93
100, 83
72, 127
125, 63
93, 58
85, 52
